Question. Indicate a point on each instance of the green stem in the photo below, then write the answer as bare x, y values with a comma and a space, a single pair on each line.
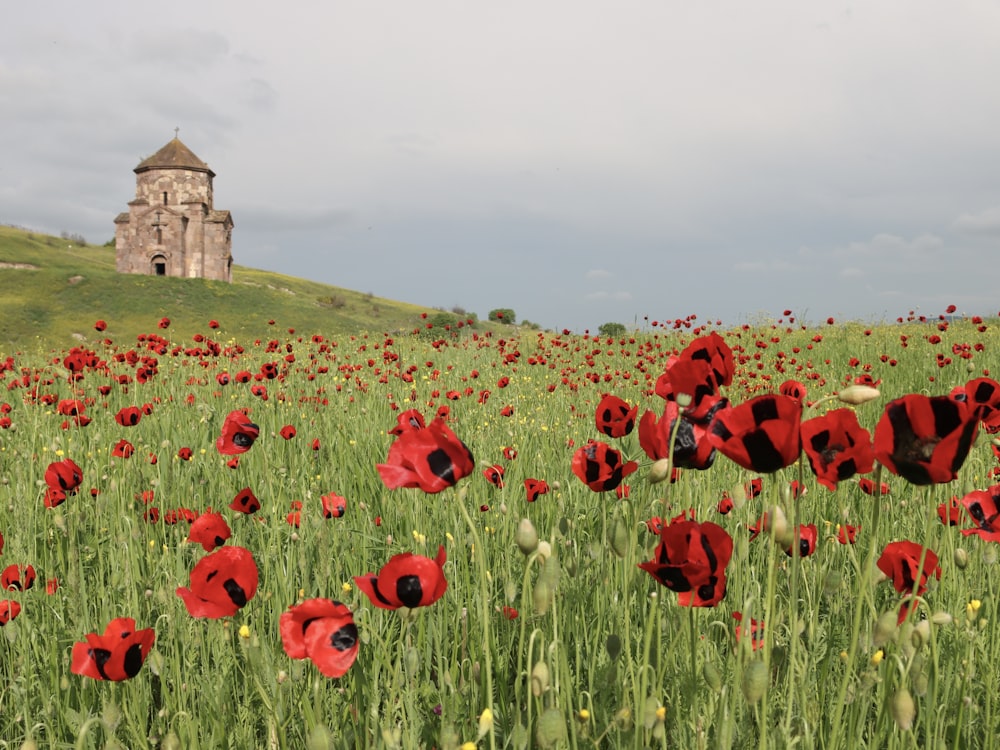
838, 710
480, 555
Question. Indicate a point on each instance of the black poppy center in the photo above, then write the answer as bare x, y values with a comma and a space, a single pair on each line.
242, 440
235, 592
345, 638
409, 590
133, 660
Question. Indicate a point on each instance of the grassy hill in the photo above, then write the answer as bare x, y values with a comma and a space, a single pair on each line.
52, 291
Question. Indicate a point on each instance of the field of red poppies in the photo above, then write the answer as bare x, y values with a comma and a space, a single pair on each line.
691, 536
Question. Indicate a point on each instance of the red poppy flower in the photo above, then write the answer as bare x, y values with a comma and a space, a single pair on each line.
407, 421
753, 488
600, 466
123, 449
901, 561
210, 530
9, 609
614, 417
983, 395
431, 458
53, 497
494, 475
509, 612
847, 534
654, 525
761, 434
756, 631
100, 325
868, 487
925, 439
714, 350
950, 513
185, 454
534, 488
128, 416
692, 449
64, 476
691, 559
507, 411
983, 507
70, 407
334, 506
407, 580
837, 447
808, 534
51, 586
17, 578
323, 631
117, 655
695, 378
793, 389
725, 505
164, 323
509, 453
287, 432
238, 434
173, 517
245, 502
221, 583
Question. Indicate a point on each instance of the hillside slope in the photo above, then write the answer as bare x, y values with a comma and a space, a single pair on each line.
53, 290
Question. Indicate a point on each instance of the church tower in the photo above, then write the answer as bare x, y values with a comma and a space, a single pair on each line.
171, 227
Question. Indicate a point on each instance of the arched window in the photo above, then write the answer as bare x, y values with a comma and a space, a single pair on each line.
158, 265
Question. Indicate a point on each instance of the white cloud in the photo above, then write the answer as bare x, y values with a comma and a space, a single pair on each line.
598, 273
985, 222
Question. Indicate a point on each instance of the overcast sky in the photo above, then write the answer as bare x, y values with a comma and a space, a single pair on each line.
578, 161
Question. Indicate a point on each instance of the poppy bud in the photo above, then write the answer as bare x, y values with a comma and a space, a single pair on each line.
857, 394
903, 709
541, 597
320, 739
544, 550
961, 558
885, 629
171, 742
619, 538
551, 728
485, 722
659, 471
539, 679
683, 400
713, 678
921, 634
776, 526
942, 618
526, 537
754, 681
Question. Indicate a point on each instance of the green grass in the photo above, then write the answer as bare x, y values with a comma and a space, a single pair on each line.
599, 654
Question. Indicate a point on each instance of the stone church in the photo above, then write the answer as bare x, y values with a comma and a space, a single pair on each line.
172, 228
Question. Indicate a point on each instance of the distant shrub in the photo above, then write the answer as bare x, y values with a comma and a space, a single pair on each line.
503, 315
334, 301
530, 324
612, 329
75, 238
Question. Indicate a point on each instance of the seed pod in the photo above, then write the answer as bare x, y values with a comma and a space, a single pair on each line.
904, 710
754, 682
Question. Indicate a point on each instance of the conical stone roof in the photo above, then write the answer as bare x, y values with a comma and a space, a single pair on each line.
175, 155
